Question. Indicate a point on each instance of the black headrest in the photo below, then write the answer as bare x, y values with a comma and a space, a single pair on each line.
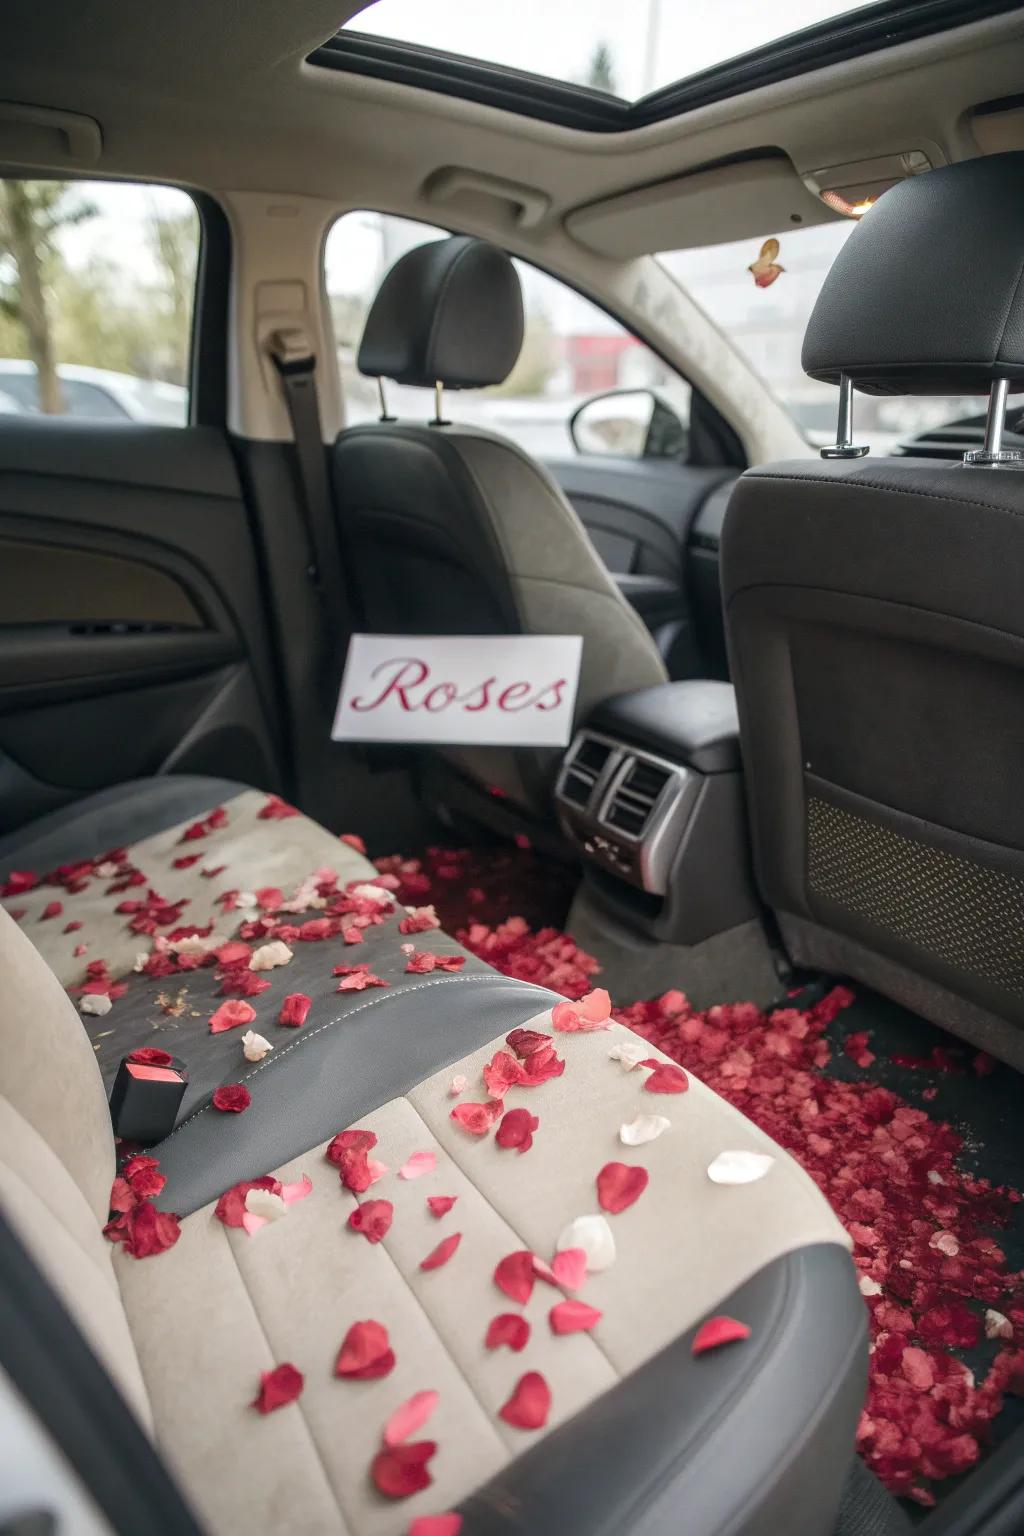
450, 311
926, 297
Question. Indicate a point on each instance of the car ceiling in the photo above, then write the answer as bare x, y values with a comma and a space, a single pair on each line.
220, 96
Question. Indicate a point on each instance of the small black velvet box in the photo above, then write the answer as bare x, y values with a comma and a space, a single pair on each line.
146, 1097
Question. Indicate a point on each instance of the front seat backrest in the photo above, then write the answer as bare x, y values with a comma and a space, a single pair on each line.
876, 630
453, 530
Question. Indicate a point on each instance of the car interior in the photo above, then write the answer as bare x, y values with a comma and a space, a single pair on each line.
693, 337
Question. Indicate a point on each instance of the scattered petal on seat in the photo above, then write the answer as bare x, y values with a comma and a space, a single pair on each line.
594, 1236
996, 1325
419, 920
569, 1267
516, 1130
515, 1275
365, 1353
298, 1190
144, 1231
417, 1165
295, 1010
409, 1417
277, 809
231, 1098
442, 1253
357, 979
507, 1330
592, 1011
151, 1056
400, 1470
254, 1046
869, 1287
530, 1403
716, 1332
458, 1085
231, 1015
573, 1317
278, 1388
448, 1524
630, 1053
423, 961
739, 1167
525, 1042
666, 1077
372, 1218
52, 909
440, 1205
619, 1186
269, 956
477, 1119
642, 1129
231, 1207
97, 1004
354, 841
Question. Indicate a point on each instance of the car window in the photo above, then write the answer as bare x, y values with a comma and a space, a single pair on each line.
571, 351
97, 283
761, 293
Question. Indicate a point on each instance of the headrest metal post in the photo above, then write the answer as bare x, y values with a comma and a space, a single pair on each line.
438, 420
844, 447
993, 452
382, 397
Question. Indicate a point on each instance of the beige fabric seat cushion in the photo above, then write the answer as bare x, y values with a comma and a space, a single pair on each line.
220, 1307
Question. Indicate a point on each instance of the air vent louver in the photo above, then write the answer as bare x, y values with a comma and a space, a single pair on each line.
584, 771
635, 799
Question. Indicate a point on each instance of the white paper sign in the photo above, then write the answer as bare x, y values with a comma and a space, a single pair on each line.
490, 690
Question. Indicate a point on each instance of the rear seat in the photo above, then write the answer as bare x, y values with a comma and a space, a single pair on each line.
641, 1436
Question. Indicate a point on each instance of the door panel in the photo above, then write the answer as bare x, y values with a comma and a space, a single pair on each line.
132, 635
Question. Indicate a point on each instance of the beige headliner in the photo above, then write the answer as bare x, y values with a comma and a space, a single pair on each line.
217, 95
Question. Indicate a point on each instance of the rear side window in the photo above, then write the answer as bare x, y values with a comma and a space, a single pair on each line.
97, 289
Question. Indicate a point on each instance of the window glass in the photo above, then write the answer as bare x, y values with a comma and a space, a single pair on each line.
767, 323
571, 350
97, 282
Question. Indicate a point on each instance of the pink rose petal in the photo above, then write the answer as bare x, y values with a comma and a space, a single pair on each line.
409, 1417
417, 1165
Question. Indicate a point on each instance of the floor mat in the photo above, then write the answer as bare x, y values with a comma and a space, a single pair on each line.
913, 1140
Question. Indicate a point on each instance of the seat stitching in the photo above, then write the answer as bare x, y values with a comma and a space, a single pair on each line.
306, 1036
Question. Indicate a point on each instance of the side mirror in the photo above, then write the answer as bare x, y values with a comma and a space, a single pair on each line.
629, 424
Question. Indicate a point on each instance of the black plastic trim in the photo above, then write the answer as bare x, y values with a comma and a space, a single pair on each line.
208, 351
572, 106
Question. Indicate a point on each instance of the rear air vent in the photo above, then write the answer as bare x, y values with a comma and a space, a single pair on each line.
634, 800
584, 770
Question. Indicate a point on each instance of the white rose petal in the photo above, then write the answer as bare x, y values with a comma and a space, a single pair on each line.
630, 1053
945, 1242
97, 1003
264, 1203
594, 1236
245, 899
268, 956
869, 1287
140, 961
372, 893
254, 1046
739, 1167
643, 1129
195, 945
996, 1325
458, 1085
106, 871
935, 1177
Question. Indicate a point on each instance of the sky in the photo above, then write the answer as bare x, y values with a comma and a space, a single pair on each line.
652, 42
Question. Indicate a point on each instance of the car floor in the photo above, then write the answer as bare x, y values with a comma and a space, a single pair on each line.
915, 1139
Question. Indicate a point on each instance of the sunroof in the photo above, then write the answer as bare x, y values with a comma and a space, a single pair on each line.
627, 51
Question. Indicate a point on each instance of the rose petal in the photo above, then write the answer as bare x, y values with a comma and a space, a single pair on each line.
231, 1015
254, 1046
365, 1353
269, 956
98, 1004
591, 1012
477, 1119
232, 1098
448, 1524
507, 1330
417, 1165
401, 1470
996, 1325
739, 1167
525, 1042
642, 1129
278, 1387
291, 1193
619, 1186
573, 1317
515, 1275
530, 1403
267, 1204
442, 1253
569, 1267
594, 1236
665, 1078
295, 1010
716, 1332
440, 1205
458, 1085
373, 1219
151, 1056
409, 1417
230, 1208
516, 1130
630, 1053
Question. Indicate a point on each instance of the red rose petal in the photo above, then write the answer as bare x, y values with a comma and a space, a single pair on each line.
516, 1130
399, 1470
278, 1387
477, 1119
230, 1208
354, 841
440, 1205
448, 1524
232, 1098
530, 1403
295, 1010
573, 1317
52, 909
146, 1184
72, 927
409, 1417
277, 809
122, 1196
151, 1056
501, 1073
716, 1332
365, 1352
666, 1077
508, 1330
569, 1268
186, 861
233, 953
526, 1042
442, 1253
359, 980
231, 1015
144, 1231
619, 1185
373, 1219
515, 1275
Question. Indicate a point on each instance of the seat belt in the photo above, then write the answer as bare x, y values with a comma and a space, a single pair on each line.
295, 361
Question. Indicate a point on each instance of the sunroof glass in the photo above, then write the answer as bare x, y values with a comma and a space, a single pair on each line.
627, 51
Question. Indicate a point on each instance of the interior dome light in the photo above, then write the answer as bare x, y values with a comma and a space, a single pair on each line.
840, 204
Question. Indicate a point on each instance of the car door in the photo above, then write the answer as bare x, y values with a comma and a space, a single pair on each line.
638, 453
132, 623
